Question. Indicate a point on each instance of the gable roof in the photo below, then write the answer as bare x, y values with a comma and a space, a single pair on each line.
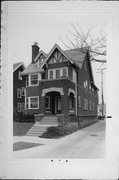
76, 56
17, 65
32, 68
41, 52
51, 51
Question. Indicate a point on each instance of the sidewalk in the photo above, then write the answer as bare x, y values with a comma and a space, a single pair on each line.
47, 141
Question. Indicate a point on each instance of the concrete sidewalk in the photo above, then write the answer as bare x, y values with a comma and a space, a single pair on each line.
47, 141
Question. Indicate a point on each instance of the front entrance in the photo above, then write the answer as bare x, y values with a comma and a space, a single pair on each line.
53, 103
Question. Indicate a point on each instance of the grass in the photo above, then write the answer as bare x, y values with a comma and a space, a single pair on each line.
24, 145
20, 129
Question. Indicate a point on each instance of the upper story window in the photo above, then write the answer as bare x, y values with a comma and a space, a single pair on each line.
51, 74
33, 79
27, 81
19, 75
64, 72
57, 73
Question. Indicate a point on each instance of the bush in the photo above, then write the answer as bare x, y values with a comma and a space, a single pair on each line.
53, 132
20, 117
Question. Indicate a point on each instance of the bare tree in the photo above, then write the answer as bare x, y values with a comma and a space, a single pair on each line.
95, 46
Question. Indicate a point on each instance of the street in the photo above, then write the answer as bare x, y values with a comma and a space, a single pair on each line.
88, 142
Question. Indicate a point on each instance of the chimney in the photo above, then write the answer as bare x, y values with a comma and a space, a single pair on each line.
35, 51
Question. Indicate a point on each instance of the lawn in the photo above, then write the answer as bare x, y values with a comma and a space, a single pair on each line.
20, 129
24, 145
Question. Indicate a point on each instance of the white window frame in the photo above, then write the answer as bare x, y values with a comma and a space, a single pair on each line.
29, 102
19, 75
59, 73
30, 84
49, 74
18, 93
26, 103
18, 107
23, 91
66, 68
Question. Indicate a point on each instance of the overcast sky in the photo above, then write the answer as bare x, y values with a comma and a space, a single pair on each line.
26, 28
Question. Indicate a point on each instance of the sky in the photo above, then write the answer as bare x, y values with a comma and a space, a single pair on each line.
25, 28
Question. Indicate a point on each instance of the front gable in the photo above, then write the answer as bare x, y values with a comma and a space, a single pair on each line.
56, 57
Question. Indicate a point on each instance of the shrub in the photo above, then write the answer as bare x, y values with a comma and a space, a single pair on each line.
58, 131
20, 117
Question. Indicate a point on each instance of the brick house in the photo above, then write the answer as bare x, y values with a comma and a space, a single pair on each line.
18, 88
61, 82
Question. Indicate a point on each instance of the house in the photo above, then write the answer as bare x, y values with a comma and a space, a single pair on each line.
18, 88
61, 82
101, 111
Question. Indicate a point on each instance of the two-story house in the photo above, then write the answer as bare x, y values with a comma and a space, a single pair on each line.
18, 88
61, 82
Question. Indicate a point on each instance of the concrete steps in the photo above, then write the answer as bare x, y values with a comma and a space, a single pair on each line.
40, 127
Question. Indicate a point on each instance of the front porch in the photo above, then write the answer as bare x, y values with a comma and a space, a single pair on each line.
54, 102
57, 97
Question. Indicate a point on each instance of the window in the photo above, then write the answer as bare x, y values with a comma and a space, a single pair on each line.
33, 79
90, 105
19, 75
18, 93
23, 91
47, 102
71, 101
18, 107
27, 81
34, 102
79, 101
27, 103
57, 72
85, 104
64, 72
93, 106
51, 74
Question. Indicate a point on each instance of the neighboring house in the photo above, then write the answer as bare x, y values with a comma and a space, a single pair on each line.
61, 83
18, 88
101, 110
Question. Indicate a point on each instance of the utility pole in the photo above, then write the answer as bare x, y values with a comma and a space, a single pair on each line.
102, 93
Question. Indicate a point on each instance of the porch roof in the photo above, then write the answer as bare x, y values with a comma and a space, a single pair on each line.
32, 68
